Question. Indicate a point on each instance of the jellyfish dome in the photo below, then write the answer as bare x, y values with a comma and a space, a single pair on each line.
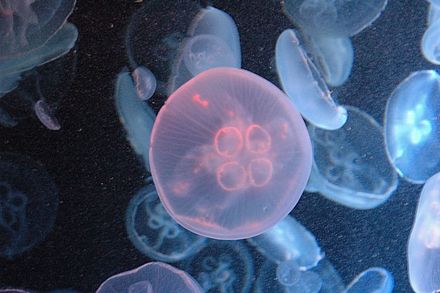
230, 155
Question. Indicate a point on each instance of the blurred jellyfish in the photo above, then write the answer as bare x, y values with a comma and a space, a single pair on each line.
433, 14
431, 44
349, 168
424, 241
145, 82
28, 204
335, 18
288, 240
154, 233
411, 126
303, 84
229, 154
373, 280
222, 266
153, 277
135, 114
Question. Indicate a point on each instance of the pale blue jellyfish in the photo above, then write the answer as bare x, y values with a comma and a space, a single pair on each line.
431, 44
145, 82
336, 18
434, 2
222, 266
433, 14
289, 240
350, 165
373, 280
153, 277
28, 204
424, 241
412, 125
154, 233
303, 84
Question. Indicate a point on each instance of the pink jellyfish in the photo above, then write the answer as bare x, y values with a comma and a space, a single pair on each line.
229, 154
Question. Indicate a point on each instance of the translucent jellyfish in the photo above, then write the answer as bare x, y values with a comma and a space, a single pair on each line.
28, 204
154, 233
373, 280
434, 2
136, 116
153, 277
222, 266
145, 82
288, 240
411, 126
229, 154
303, 84
433, 14
46, 116
336, 18
424, 241
431, 44
347, 167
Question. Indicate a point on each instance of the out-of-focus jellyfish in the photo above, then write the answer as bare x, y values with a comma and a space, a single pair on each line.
435, 3
288, 240
336, 18
154, 233
229, 154
135, 114
373, 280
303, 84
153, 277
28, 204
433, 14
222, 266
347, 167
145, 82
431, 44
411, 126
424, 241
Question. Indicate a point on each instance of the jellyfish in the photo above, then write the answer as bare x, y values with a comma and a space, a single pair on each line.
154, 233
433, 14
229, 154
145, 82
373, 280
348, 168
28, 204
435, 3
289, 240
153, 277
411, 126
430, 44
333, 18
424, 240
222, 266
303, 84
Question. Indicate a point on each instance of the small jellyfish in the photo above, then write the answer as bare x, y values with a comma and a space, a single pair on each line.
411, 126
303, 84
154, 233
335, 18
229, 154
424, 240
222, 266
145, 82
45, 115
349, 168
153, 277
288, 240
431, 44
373, 280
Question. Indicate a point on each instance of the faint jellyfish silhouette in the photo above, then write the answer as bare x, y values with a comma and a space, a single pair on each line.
333, 18
289, 240
433, 14
45, 115
411, 126
349, 169
154, 233
145, 82
303, 84
424, 240
430, 44
435, 3
237, 154
222, 266
153, 277
373, 280
28, 204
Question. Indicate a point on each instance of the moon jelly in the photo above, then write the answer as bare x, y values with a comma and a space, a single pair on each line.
301, 81
424, 241
373, 280
145, 82
431, 43
411, 126
153, 277
347, 167
229, 154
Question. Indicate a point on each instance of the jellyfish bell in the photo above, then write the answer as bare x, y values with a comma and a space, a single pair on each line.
229, 154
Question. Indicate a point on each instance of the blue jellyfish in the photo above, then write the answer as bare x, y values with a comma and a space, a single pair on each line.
289, 240
28, 204
430, 42
154, 233
153, 277
373, 280
433, 14
347, 167
222, 266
